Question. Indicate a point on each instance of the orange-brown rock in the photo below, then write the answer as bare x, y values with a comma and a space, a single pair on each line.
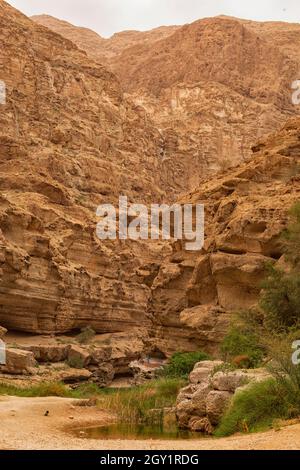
69, 141
101, 49
212, 87
246, 212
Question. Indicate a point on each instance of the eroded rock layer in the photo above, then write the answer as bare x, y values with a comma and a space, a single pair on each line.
195, 294
69, 141
212, 87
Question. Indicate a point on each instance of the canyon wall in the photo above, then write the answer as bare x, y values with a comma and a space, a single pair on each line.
71, 138
194, 295
212, 87
69, 141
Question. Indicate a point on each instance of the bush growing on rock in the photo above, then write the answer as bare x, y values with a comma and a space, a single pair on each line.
182, 364
280, 299
242, 344
259, 406
86, 335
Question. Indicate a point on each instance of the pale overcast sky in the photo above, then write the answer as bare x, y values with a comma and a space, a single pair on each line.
110, 16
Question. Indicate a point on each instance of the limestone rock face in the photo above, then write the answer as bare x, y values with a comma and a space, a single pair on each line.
201, 405
79, 355
18, 362
216, 404
212, 87
246, 210
231, 381
49, 353
69, 141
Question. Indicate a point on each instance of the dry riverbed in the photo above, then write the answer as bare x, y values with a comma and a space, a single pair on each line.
25, 426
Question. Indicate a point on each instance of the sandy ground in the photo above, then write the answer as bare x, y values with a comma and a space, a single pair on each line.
24, 427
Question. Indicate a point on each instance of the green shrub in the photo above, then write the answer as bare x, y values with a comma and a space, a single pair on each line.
239, 342
256, 408
291, 237
280, 299
181, 364
86, 335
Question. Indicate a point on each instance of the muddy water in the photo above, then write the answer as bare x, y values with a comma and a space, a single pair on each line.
132, 432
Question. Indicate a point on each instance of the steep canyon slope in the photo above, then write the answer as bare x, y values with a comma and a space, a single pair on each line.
212, 87
194, 295
70, 139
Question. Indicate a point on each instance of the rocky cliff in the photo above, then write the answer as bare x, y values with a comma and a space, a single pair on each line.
194, 295
70, 139
212, 87
102, 49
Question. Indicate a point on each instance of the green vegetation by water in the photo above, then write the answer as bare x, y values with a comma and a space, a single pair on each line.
182, 364
259, 407
131, 405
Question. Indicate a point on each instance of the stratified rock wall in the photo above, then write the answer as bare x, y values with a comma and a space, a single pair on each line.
69, 141
195, 294
212, 87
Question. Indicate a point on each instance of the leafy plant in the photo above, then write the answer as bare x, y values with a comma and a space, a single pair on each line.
242, 346
259, 406
181, 364
280, 299
86, 335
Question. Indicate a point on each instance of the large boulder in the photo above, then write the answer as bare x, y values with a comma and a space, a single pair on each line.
103, 374
185, 410
229, 381
78, 357
191, 400
100, 354
201, 405
216, 404
50, 353
203, 370
199, 398
201, 425
73, 376
18, 362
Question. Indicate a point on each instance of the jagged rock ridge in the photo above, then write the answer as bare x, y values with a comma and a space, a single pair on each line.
212, 88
